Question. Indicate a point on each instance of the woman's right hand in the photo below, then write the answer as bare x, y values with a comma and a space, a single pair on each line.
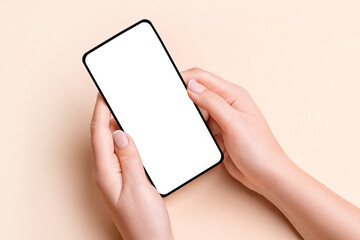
253, 156
251, 152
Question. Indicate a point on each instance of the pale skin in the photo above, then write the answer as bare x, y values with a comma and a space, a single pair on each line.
252, 156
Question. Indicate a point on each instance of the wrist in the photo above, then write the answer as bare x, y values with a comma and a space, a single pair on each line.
277, 177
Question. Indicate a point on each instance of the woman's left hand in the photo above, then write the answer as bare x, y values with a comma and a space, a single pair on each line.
135, 205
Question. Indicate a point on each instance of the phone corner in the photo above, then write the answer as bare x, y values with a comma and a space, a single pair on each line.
145, 20
164, 195
84, 56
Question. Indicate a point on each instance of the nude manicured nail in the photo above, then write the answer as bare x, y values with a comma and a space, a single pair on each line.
195, 87
120, 139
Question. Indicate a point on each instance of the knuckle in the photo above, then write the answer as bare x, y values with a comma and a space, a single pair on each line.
213, 98
127, 155
243, 91
195, 70
124, 154
93, 127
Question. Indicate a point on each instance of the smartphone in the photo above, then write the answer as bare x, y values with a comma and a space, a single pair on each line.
147, 97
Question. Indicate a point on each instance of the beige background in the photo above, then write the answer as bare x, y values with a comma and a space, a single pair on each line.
299, 59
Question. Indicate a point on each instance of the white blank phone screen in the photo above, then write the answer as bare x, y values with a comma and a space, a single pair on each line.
148, 98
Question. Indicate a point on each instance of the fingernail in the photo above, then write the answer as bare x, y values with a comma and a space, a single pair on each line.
195, 87
120, 139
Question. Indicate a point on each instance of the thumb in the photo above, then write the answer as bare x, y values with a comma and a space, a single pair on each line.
219, 109
129, 158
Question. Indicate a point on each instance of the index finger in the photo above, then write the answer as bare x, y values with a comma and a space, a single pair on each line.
214, 83
101, 137
233, 94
